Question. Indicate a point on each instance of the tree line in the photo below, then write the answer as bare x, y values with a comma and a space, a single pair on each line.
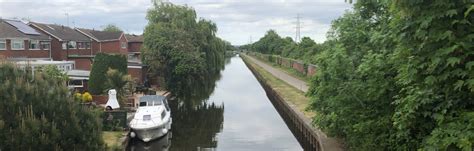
392, 75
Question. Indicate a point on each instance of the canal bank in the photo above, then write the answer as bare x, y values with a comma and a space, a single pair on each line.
291, 104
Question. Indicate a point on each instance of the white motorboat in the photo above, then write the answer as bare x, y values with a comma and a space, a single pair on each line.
152, 119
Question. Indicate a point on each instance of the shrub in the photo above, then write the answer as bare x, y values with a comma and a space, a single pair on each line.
38, 113
86, 97
102, 62
77, 96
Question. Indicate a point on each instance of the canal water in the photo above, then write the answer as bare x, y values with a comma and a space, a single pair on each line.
235, 115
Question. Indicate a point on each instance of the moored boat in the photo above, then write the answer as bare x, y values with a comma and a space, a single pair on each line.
152, 119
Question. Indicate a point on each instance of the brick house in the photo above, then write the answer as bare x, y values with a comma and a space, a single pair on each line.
68, 44
134, 45
106, 42
18, 41
136, 69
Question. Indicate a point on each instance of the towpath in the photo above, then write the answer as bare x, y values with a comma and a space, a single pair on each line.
297, 83
327, 143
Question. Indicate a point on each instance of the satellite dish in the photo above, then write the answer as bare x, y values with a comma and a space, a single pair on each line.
112, 102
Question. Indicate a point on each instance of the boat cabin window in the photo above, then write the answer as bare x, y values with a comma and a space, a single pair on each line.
150, 102
165, 101
163, 114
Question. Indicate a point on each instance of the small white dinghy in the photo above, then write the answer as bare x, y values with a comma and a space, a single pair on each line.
152, 119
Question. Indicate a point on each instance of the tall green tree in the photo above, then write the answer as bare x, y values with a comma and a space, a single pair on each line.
271, 43
38, 113
181, 48
435, 58
394, 75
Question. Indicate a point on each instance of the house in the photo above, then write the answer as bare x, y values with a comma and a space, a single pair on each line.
68, 44
135, 67
19, 41
105, 41
134, 45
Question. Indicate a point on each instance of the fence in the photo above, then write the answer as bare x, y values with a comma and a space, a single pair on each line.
114, 120
298, 65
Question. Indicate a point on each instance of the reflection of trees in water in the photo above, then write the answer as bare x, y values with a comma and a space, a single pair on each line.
227, 60
196, 122
198, 91
195, 126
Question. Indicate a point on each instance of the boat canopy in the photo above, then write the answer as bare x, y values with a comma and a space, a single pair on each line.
151, 100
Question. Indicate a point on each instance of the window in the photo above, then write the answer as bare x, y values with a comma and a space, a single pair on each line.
163, 114
76, 83
45, 45
72, 45
34, 44
64, 45
88, 45
18, 45
3, 44
165, 101
81, 45
123, 45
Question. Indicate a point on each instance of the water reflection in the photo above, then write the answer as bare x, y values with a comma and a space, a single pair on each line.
249, 121
161, 144
196, 127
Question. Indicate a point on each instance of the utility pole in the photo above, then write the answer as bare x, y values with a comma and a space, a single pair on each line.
298, 28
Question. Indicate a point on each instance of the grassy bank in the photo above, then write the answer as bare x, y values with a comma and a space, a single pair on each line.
290, 71
113, 139
286, 91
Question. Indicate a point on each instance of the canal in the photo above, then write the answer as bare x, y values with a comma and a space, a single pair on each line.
234, 114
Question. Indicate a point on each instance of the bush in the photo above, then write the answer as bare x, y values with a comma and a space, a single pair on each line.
86, 97
77, 96
102, 63
38, 113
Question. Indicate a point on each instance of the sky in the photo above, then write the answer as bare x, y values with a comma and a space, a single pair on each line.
238, 21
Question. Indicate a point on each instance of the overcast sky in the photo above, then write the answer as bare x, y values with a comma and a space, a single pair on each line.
237, 20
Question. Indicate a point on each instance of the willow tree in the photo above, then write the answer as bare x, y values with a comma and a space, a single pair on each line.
180, 48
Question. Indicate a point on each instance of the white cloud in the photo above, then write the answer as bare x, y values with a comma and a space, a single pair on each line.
237, 20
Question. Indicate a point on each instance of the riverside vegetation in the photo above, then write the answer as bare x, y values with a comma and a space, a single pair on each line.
182, 49
39, 113
392, 75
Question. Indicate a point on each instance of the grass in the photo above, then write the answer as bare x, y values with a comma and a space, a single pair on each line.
112, 139
286, 91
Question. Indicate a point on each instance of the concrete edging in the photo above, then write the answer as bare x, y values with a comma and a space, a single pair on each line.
302, 130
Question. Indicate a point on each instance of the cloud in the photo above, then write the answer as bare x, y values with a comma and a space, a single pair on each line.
237, 20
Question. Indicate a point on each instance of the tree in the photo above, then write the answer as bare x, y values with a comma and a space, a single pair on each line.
112, 28
271, 43
119, 81
102, 63
181, 48
395, 75
54, 72
38, 113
